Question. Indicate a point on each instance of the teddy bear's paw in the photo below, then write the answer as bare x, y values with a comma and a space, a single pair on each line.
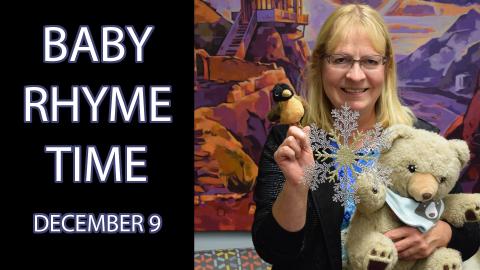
379, 258
472, 213
451, 266
461, 208
443, 259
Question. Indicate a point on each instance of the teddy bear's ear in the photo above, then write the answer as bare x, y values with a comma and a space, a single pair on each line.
462, 150
398, 131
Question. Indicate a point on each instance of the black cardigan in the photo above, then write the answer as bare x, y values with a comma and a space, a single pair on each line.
317, 245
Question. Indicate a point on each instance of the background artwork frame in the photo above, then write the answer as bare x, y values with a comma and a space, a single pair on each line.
244, 47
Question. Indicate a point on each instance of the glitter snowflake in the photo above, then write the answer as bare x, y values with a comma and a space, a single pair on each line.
381, 175
345, 153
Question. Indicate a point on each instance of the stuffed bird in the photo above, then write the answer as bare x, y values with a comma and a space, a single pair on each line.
289, 108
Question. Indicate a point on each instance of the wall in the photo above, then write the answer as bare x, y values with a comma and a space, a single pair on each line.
473, 263
222, 240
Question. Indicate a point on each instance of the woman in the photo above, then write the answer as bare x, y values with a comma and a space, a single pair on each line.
295, 228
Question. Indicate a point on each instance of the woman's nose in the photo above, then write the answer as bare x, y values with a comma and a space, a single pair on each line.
356, 73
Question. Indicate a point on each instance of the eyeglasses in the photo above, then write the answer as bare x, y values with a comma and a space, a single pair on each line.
344, 61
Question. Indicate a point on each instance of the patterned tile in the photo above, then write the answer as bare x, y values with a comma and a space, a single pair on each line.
229, 259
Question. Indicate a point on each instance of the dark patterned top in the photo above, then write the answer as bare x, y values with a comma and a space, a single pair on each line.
318, 244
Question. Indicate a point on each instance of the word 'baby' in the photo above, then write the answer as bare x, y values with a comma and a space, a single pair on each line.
112, 37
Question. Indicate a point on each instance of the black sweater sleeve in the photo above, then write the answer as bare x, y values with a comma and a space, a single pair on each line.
465, 239
273, 243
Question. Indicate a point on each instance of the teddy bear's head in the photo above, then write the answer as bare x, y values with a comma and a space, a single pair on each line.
424, 165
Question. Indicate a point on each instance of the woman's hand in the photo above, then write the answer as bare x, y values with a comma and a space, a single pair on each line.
294, 155
411, 244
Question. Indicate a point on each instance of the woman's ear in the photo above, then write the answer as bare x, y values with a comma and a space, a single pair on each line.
462, 150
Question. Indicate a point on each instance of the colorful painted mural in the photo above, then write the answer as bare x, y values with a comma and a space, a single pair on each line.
244, 47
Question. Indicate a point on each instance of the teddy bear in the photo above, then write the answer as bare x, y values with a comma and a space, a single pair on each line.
425, 167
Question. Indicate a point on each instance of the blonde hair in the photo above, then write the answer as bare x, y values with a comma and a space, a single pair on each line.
337, 27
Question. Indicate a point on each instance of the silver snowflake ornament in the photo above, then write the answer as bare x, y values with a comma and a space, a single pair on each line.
345, 153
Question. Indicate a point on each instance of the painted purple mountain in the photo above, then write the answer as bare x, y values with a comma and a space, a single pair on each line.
429, 64
372, 3
462, 74
456, 2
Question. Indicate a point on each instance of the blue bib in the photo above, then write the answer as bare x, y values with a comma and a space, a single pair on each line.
422, 216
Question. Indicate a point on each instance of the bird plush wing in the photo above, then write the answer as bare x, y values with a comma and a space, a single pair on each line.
274, 114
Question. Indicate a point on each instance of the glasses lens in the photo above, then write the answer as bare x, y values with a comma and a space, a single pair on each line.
341, 61
371, 62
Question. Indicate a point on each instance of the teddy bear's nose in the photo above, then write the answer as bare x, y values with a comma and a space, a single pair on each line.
426, 196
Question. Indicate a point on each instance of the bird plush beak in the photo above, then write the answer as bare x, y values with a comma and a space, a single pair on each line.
287, 93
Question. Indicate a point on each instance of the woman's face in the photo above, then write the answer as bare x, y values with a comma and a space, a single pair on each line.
358, 86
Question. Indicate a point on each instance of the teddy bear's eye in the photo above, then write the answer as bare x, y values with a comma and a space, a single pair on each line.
412, 168
443, 179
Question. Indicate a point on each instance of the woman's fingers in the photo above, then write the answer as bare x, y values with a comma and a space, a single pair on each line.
294, 154
300, 136
296, 147
410, 243
284, 152
291, 142
405, 244
399, 233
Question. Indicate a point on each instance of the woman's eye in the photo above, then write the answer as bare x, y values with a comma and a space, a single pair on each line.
340, 60
412, 168
372, 62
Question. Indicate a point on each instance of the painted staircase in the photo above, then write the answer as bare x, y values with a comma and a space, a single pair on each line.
238, 38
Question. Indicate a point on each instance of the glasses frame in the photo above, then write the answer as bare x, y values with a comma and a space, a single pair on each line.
329, 60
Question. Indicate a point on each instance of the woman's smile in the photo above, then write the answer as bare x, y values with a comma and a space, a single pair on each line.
354, 91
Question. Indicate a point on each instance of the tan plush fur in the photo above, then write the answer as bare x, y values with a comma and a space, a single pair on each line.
438, 163
292, 112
